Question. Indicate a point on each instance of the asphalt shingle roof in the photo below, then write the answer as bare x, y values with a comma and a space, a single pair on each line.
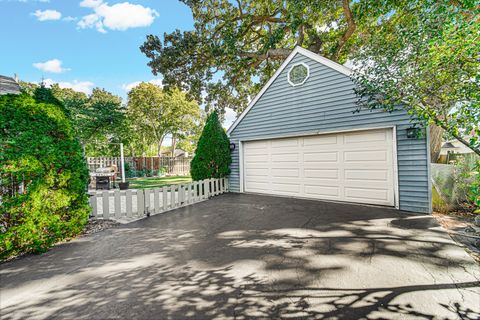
9, 85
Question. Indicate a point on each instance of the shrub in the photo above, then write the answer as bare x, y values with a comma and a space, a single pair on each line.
44, 176
467, 183
212, 157
474, 189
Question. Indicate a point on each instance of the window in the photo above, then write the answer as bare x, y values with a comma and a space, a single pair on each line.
298, 74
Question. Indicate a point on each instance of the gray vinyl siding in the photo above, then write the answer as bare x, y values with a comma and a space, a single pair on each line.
326, 103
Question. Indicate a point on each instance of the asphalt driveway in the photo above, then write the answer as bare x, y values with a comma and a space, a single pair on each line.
242, 256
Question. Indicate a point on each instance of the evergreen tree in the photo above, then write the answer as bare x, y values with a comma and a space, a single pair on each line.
212, 157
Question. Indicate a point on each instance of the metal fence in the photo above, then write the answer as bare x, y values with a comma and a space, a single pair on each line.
144, 166
134, 204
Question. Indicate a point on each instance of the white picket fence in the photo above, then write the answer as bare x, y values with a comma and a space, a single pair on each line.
126, 205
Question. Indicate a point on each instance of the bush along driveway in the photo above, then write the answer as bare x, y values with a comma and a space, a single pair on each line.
240, 256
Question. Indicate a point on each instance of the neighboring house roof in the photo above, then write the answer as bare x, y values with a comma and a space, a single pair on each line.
8, 85
177, 153
455, 146
448, 145
298, 50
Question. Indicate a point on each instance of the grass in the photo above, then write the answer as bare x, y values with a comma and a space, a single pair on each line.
437, 202
156, 182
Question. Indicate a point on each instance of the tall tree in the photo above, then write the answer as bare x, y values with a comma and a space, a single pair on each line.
189, 139
244, 41
212, 158
428, 62
154, 113
97, 118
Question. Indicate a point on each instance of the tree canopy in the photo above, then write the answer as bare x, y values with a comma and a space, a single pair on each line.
428, 62
153, 114
97, 118
236, 46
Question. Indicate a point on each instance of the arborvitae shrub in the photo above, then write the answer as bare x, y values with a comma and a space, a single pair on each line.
38, 147
212, 157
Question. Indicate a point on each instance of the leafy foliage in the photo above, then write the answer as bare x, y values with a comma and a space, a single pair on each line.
98, 118
153, 113
426, 59
467, 181
246, 40
212, 157
43, 176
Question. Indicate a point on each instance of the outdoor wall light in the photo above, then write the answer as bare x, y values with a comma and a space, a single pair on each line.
232, 146
413, 132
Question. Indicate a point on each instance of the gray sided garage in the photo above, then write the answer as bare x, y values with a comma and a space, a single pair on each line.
300, 137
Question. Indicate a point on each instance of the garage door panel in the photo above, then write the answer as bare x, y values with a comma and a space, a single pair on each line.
257, 172
285, 157
260, 185
322, 165
363, 137
314, 141
321, 173
320, 156
284, 165
363, 194
366, 185
285, 143
293, 188
256, 145
354, 167
285, 180
362, 174
365, 155
257, 158
286, 173
322, 191
261, 151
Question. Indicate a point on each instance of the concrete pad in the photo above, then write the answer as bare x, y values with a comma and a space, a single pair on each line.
241, 256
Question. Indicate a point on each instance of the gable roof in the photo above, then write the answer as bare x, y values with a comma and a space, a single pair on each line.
9, 85
318, 58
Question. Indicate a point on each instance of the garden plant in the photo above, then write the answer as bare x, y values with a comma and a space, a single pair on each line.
43, 176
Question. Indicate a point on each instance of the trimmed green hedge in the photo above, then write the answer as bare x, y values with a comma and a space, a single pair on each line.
38, 146
212, 157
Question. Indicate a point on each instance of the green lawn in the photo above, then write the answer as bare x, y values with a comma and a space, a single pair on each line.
156, 182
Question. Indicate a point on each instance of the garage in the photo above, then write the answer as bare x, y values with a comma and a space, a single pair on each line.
304, 136
352, 166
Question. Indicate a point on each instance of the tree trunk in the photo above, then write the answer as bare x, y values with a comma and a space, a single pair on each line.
436, 135
174, 144
159, 151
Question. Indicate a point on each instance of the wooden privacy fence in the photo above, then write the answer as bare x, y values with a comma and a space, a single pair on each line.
134, 204
144, 166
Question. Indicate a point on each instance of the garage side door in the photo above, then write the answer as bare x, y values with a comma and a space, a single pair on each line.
354, 167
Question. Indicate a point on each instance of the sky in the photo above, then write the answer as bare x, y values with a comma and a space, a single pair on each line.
82, 44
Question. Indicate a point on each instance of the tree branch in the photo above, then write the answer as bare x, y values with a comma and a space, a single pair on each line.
276, 54
301, 35
351, 26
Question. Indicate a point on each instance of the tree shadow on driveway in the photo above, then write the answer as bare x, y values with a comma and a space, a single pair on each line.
251, 257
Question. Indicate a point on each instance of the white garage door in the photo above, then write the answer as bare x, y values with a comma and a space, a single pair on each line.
353, 166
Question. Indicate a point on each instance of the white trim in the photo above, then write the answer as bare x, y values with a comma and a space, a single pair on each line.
326, 62
240, 161
395, 169
429, 170
289, 71
311, 133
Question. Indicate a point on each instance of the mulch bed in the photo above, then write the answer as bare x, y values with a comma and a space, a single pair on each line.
97, 225
462, 229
